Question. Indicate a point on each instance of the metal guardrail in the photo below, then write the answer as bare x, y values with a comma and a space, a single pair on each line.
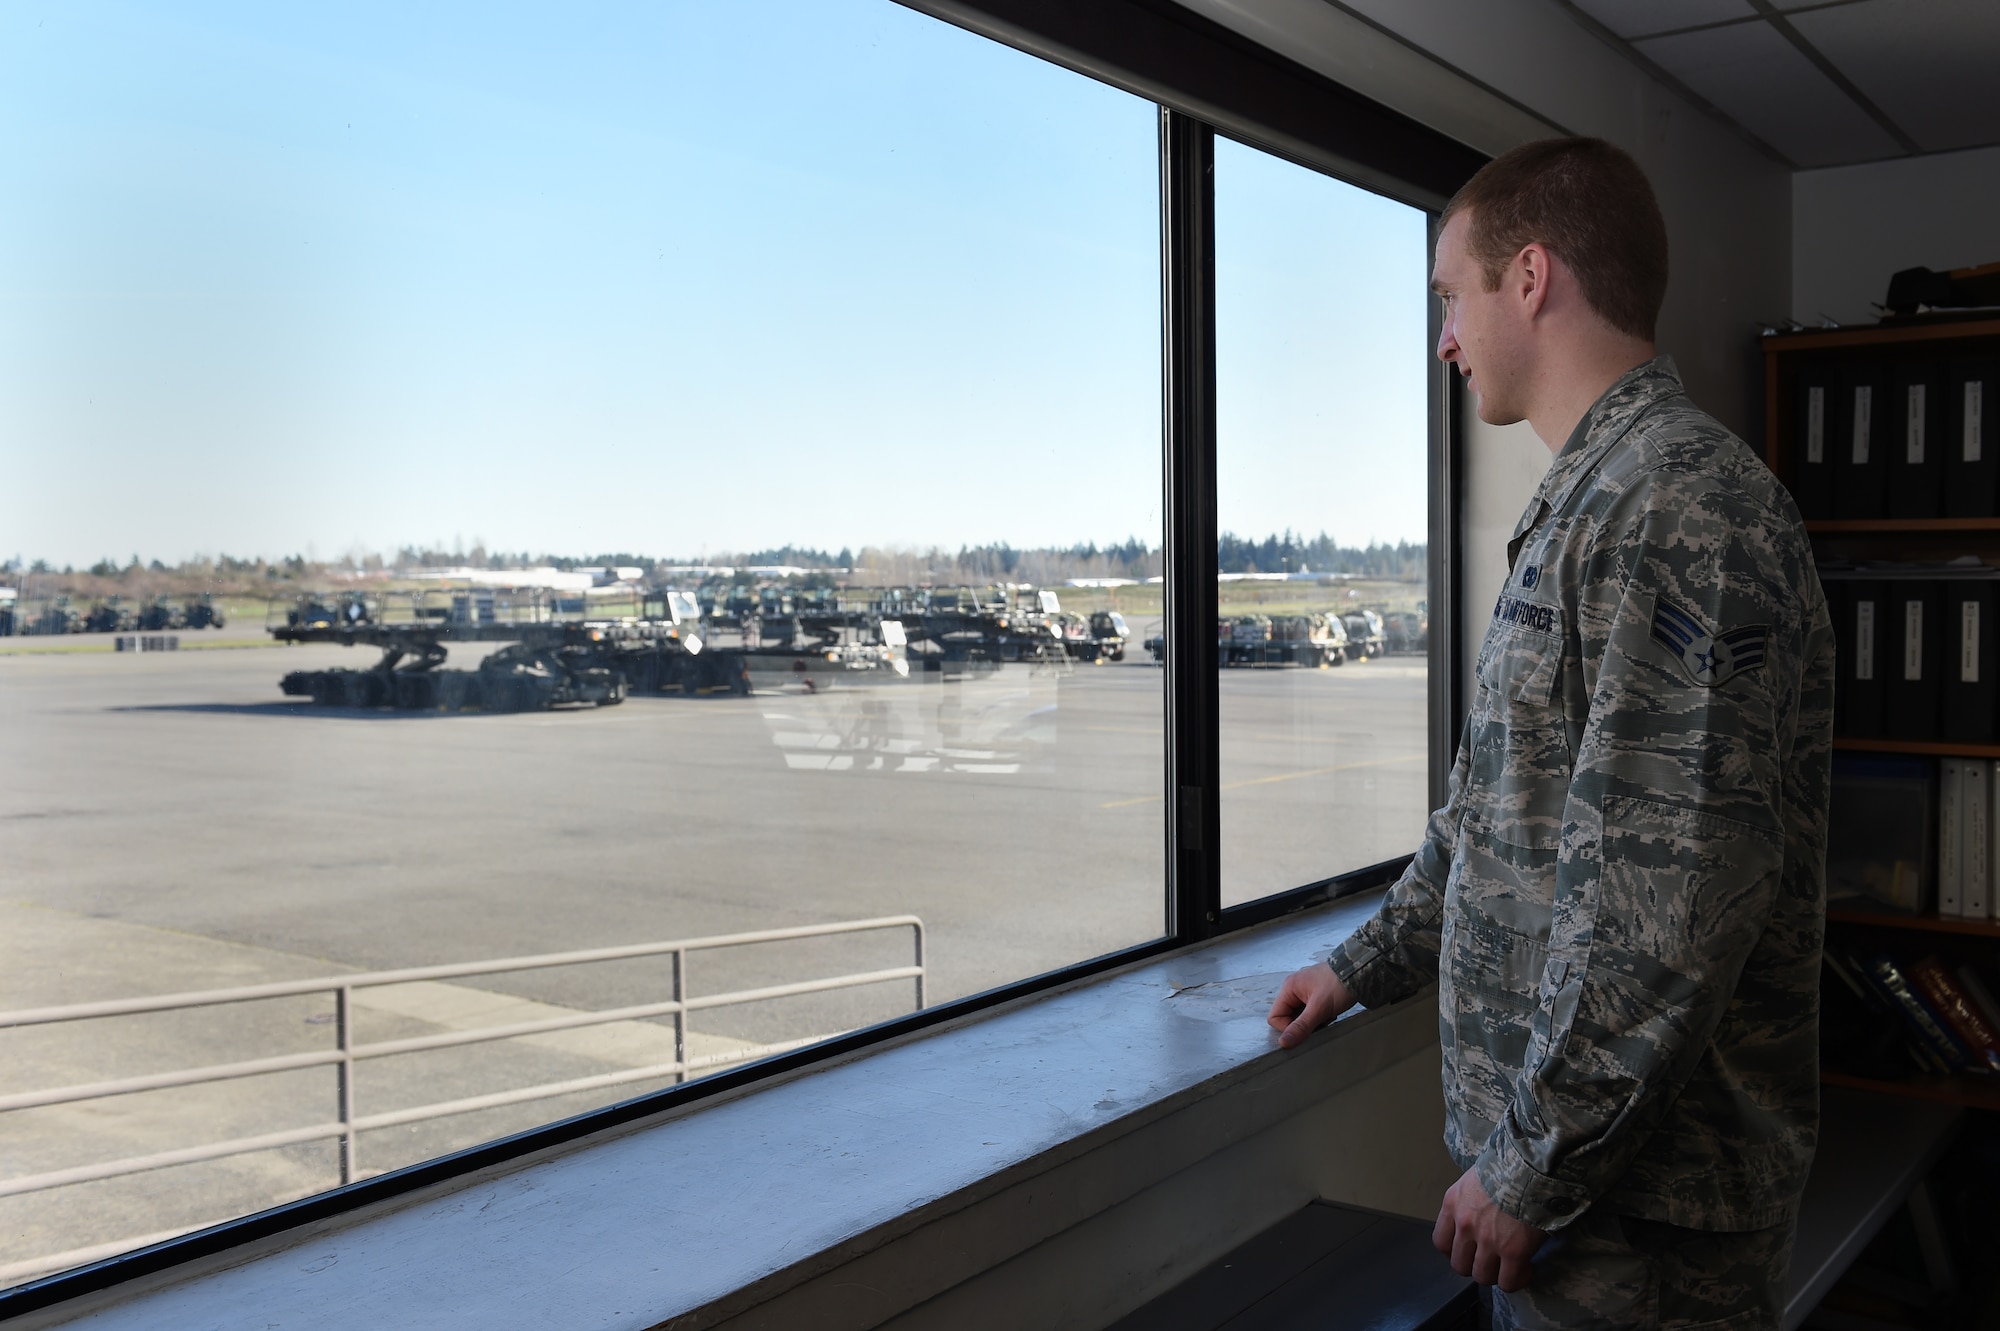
349, 1124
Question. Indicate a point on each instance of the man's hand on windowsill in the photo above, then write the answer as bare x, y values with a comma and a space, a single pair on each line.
1309, 999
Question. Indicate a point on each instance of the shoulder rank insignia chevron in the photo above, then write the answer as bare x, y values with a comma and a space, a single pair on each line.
1711, 659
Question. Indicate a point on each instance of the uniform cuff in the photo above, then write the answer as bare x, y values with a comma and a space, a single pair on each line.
1350, 961
1521, 1190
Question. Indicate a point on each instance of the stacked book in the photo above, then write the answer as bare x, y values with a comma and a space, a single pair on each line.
1885, 1016
1967, 817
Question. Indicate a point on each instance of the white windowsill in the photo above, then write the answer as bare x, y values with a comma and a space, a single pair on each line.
718, 1207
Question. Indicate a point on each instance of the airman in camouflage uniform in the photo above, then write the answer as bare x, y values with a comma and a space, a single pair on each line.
1622, 900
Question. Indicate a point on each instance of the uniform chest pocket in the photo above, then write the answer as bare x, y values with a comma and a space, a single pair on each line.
1518, 780
1521, 666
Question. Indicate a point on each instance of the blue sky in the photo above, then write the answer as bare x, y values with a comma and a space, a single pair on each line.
668, 277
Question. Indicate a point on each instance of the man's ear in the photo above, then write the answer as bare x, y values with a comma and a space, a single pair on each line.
1531, 272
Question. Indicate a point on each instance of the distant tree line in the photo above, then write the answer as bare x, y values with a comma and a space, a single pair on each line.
1292, 553
1285, 552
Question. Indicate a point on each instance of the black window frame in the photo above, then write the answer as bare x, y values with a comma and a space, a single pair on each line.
1205, 79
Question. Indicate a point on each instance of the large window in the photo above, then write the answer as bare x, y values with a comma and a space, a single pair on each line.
488, 329
554, 557
1323, 613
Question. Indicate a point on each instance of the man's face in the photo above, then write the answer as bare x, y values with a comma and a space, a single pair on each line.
1479, 334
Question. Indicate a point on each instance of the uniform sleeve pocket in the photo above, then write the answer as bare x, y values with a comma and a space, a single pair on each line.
1555, 1013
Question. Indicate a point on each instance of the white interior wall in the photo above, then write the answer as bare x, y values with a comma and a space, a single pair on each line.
1852, 226
1503, 465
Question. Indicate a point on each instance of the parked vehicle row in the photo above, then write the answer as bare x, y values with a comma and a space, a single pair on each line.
731, 640
1316, 641
113, 614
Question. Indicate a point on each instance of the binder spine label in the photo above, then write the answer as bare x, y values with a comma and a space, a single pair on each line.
1968, 642
1913, 432
1816, 424
1864, 640
1864, 406
1975, 392
1913, 640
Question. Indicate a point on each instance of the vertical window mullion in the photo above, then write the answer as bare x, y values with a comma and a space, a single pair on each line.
1187, 301
1447, 682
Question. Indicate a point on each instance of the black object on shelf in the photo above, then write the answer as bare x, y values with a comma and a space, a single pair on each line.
1969, 691
1970, 447
1911, 694
1913, 442
1956, 288
1860, 472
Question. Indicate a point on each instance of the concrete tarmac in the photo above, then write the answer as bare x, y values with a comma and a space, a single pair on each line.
169, 822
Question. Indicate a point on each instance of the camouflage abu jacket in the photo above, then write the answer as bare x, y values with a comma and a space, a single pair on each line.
1622, 900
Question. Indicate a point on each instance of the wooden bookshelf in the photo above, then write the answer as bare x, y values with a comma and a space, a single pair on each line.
1974, 1092
1868, 540
1889, 919
1927, 748
1882, 335
1898, 526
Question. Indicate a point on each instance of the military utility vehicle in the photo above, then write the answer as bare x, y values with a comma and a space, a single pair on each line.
1365, 636
1099, 637
1315, 641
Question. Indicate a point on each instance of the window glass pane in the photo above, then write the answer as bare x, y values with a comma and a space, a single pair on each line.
1322, 363
670, 350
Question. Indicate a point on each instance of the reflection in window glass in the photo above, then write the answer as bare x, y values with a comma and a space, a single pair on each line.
1321, 498
700, 463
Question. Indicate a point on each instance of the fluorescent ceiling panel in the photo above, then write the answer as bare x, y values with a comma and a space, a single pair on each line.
1753, 75
1637, 18
1931, 65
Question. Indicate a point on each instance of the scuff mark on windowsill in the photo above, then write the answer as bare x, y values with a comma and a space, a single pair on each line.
1234, 999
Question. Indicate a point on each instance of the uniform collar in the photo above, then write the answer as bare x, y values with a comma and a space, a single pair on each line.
1601, 427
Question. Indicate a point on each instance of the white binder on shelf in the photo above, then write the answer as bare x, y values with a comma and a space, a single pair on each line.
1976, 893
1951, 836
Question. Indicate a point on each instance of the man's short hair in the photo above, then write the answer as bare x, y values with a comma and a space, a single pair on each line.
1591, 205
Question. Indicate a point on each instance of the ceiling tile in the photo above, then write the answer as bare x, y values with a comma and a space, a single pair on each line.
1636, 18
1753, 75
1930, 65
